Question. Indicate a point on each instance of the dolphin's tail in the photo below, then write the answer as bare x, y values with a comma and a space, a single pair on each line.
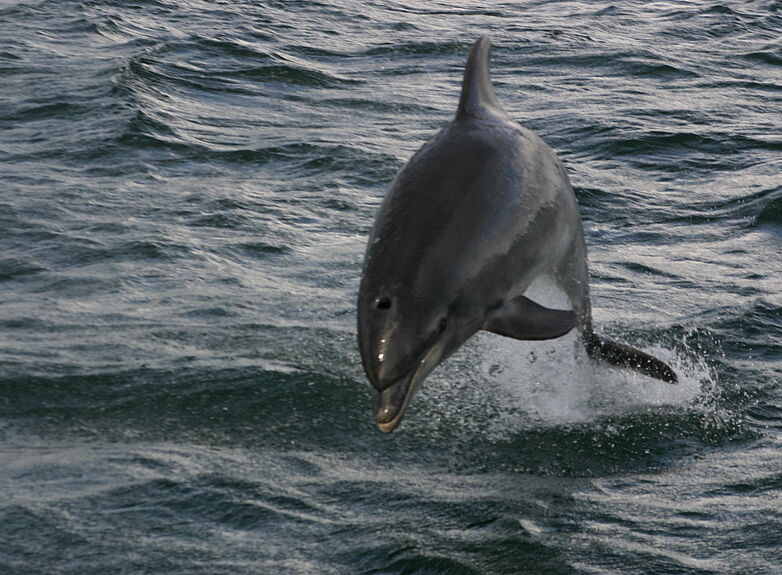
626, 356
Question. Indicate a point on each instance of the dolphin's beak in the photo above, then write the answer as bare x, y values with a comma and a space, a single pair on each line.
391, 402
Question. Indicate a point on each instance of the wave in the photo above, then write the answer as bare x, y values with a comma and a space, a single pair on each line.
771, 213
751, 210
540, 409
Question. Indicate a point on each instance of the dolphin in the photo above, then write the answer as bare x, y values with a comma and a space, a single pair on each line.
480, 210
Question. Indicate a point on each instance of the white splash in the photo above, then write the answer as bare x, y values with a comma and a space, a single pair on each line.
554, 382
511, 385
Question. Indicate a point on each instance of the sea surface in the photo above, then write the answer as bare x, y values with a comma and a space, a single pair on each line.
186, 190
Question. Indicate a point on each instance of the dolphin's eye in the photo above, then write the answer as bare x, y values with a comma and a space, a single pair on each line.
383, 303
443, 324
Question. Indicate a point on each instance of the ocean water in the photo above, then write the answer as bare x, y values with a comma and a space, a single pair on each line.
186, 190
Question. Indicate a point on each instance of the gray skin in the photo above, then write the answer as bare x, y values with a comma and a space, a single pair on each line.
479, 212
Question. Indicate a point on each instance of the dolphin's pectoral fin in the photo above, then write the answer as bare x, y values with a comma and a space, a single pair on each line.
626, 356
522, 318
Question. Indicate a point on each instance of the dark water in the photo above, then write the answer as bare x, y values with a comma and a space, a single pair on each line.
185, 193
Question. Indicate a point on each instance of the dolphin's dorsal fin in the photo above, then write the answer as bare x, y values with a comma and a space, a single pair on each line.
478, 98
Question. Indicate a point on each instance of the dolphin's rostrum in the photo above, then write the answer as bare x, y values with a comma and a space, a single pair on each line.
480, 211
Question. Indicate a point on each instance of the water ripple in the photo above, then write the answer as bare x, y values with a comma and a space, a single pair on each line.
187, 191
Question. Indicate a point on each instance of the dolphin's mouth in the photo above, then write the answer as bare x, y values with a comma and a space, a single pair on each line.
391, 402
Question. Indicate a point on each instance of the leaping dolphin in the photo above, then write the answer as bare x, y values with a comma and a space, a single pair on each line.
480, 211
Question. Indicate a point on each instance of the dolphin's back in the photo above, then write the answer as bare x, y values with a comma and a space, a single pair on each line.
484, 201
